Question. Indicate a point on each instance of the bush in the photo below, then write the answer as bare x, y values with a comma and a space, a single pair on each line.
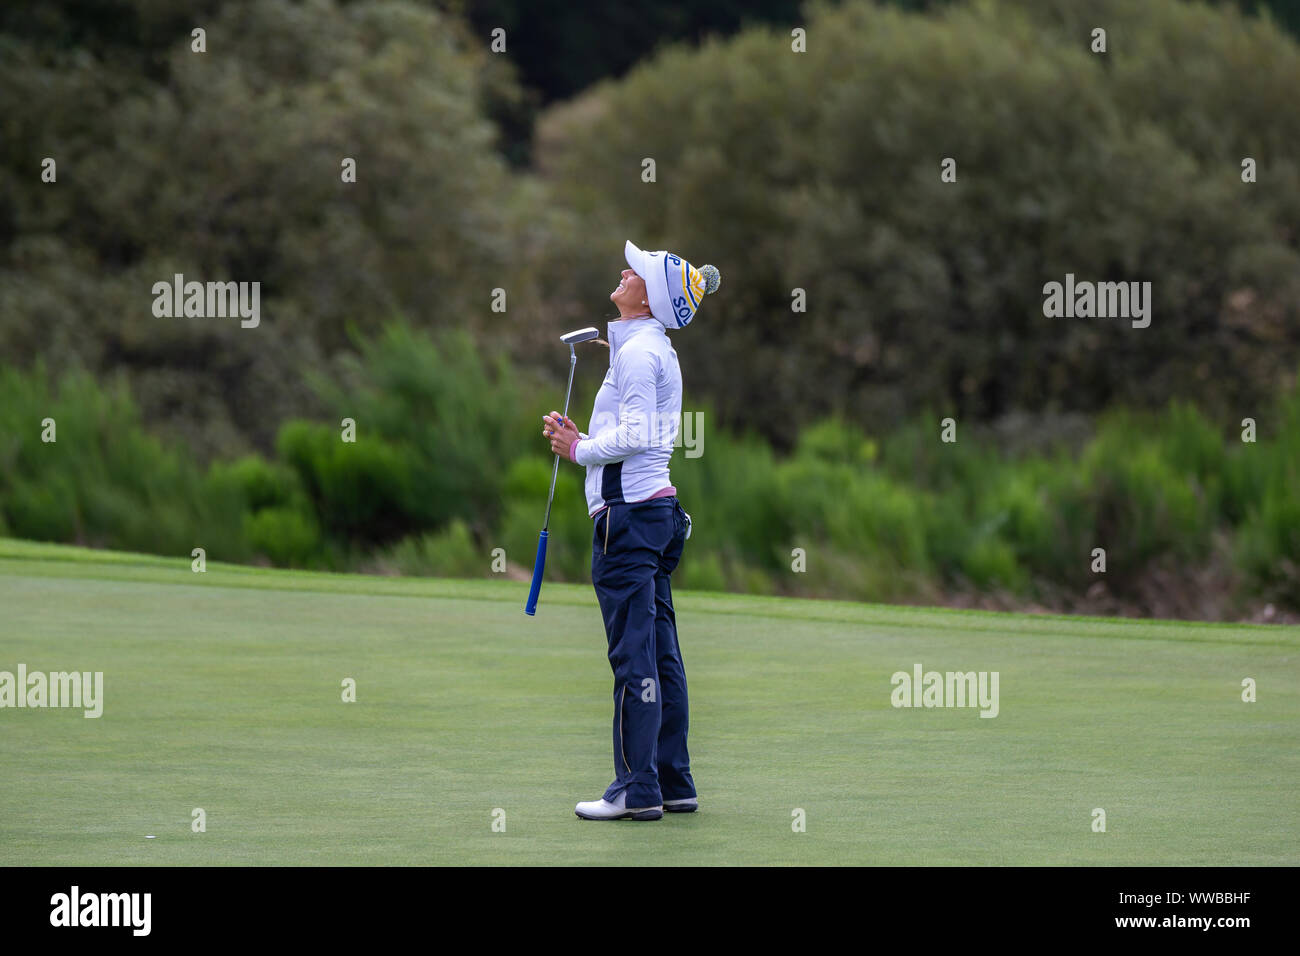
699, 570
991, 563
738, 500
1268, 547
362, 492
449, 553
836, 441
286, 536
1157, 491
258, 482
103, 481
568, 546
1128, 499
436, 426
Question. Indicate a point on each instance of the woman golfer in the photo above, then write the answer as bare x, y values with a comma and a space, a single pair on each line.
639, 531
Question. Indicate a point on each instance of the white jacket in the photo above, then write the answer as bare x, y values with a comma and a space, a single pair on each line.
636, 417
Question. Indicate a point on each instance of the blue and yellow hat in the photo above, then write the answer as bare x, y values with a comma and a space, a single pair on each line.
676, 287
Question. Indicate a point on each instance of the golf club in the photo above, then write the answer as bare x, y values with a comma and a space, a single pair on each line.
539, 564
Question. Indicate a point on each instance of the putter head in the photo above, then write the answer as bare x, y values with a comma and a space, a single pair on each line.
579, 335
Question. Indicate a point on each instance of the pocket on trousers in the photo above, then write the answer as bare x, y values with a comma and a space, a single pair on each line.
604, 530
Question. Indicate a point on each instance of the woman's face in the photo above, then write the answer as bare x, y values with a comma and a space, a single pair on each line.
630, 295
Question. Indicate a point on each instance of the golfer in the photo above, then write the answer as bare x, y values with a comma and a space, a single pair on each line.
639, 530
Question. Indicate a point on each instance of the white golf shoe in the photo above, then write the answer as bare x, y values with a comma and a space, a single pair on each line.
688, 805
602, 809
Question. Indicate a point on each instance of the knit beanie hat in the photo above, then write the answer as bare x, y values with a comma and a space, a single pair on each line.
676, 288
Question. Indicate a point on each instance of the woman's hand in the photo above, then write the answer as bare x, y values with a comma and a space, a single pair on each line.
560, 431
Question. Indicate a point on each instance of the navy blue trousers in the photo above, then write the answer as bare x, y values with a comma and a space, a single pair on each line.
635, 548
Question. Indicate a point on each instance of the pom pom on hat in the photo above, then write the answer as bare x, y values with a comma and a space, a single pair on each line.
712, 279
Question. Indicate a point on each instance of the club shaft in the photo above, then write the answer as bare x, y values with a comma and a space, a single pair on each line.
555, 468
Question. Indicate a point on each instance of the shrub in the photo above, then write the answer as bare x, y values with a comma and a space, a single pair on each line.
103, 481
449, 553
362, 492
1268, 547
699, 570
1140, 506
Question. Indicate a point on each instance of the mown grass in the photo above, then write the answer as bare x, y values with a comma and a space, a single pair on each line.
223, 691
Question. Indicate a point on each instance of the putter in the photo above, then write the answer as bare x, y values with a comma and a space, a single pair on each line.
539, 564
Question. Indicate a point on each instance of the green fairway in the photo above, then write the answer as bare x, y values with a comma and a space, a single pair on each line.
222, 690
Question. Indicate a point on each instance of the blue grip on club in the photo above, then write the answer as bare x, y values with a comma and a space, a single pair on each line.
539, 565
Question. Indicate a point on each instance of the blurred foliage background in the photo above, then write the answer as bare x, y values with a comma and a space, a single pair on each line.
521, 172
